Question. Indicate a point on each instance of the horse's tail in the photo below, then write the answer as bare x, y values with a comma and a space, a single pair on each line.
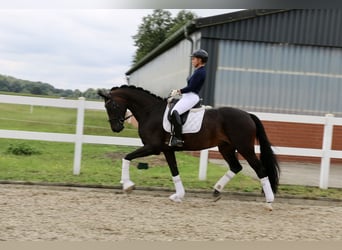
267, 157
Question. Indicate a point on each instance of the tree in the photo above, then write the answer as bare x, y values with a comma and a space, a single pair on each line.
155, 28
36, 90
91, 94
11, 84
151, 32
182, 18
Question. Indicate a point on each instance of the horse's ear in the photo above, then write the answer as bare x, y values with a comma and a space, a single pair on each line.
103, 94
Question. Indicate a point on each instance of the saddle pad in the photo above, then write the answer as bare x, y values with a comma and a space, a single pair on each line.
193, 123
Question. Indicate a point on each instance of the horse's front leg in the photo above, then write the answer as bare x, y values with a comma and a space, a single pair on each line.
171, 160
127, 184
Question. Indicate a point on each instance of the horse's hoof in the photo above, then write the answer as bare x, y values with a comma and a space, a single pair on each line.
128, 186
175, 198
268, 206
129, 190
216, 193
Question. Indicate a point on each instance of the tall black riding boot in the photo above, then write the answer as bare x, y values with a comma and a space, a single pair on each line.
176, 139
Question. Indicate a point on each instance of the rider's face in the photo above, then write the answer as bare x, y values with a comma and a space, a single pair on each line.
196, 62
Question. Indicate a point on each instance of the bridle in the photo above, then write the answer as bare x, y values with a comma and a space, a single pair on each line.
121, 119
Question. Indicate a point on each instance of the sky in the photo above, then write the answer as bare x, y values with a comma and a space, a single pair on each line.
73, 48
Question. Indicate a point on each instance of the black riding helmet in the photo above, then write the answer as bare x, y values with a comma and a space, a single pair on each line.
201, 53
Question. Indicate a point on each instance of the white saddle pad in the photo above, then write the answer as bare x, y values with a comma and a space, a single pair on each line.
193, 123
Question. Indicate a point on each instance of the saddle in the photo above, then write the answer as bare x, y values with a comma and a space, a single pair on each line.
184, 116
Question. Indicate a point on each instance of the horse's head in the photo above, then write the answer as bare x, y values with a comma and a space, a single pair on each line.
116, 110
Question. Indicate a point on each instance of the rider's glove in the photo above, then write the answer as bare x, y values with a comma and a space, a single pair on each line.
175, 92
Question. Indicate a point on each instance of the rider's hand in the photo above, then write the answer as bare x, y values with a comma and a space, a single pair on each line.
174, 92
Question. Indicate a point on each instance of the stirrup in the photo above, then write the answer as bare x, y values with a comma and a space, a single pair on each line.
175, 142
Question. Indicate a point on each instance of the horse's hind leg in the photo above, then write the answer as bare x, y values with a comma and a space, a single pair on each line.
259, 169
228, 153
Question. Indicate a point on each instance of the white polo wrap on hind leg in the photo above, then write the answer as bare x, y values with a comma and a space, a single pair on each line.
125, 179
266, 186
179, 189
224, 180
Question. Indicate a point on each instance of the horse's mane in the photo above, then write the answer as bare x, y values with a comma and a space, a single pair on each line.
139, 89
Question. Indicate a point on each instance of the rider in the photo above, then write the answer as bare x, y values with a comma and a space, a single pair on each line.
189, 95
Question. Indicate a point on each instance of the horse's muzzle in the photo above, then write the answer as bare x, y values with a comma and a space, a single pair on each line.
117, 128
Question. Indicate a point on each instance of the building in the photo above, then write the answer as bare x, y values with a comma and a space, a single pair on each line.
283, 61
279, 61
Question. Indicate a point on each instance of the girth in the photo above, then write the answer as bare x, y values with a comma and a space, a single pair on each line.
184, 116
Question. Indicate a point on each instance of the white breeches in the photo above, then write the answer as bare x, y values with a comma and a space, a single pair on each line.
187, 101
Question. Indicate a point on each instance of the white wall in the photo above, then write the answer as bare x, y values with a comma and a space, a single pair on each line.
167, 71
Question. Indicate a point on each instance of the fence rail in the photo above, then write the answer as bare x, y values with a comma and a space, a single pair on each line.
78, 138
326, 153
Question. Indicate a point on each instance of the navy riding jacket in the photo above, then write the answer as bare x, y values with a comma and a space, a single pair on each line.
196, 81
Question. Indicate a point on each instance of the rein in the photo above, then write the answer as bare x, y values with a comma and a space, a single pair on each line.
121, 120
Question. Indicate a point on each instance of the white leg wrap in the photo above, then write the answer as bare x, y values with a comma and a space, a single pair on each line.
125, 180
224, 180
125, 170
179, 195
266, 186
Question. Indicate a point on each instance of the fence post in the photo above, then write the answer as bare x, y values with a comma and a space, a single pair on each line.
202, 174
78, 135
326, 147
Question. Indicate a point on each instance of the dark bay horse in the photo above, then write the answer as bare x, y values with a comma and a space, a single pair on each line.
228, 128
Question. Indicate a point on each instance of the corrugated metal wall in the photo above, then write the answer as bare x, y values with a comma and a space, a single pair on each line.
207, 92
320, 27
279, 78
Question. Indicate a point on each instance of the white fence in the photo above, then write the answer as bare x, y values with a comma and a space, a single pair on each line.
78, 138
326, 153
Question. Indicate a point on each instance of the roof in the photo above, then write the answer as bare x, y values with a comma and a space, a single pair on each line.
315, 27
197, 24
234, 16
